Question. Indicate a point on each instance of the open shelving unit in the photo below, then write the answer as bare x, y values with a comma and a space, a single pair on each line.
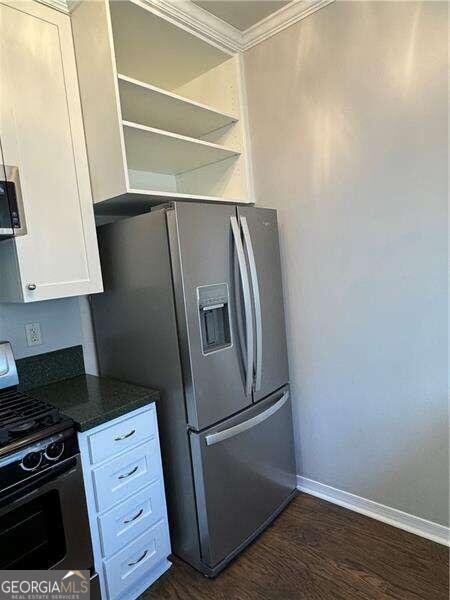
163, 109
147, 104
150, 149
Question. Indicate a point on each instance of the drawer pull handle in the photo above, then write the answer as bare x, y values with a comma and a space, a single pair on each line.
132, 472
125, 436
136, 516
131, 564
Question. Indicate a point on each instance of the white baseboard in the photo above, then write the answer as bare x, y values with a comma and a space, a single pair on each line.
392, 516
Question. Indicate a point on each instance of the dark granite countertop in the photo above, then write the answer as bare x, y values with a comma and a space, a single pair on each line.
91, 401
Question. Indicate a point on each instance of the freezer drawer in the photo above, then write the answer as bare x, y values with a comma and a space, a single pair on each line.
244, 470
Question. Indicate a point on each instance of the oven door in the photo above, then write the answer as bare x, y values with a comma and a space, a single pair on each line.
44, 525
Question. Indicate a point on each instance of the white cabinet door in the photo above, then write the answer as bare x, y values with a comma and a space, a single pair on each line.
41, 131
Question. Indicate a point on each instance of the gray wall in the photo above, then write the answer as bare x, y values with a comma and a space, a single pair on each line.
64, 323
348, 112
60, 325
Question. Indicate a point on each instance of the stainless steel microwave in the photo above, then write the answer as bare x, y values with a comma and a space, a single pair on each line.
12, 216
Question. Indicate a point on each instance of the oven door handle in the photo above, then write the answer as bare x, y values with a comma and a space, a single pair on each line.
39, 480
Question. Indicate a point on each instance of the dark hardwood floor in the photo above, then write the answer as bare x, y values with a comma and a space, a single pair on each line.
316, 550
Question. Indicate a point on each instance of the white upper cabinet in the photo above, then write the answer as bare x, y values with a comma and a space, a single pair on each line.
163, 109
41, 132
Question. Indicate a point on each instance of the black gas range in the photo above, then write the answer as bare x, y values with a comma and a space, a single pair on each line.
43, 513
34, 435
25, 420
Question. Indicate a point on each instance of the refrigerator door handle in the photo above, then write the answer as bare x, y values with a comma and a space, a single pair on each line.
215, 438
256, 299
247, 304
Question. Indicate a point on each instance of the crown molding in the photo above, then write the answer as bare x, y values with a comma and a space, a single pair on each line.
204, 24
207, 26
286, 16
60, 5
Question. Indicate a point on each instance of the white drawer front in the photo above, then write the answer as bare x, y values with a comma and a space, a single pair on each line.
137, 559
126, 474
125, 522
121, 435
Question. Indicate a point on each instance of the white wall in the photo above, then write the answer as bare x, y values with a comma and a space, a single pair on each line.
348, 112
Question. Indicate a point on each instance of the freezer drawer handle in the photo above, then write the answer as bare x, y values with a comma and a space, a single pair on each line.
247, 304
215, 438
256, 299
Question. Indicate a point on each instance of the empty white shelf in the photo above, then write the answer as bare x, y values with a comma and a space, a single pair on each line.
148, 195
137, 201
157, 151
152, 106
151, 48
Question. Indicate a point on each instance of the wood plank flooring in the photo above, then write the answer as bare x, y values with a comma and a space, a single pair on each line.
316, 550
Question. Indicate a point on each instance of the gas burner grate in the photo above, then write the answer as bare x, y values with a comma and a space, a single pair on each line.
21, 413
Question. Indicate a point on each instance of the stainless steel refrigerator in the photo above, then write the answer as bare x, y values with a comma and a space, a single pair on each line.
193, 305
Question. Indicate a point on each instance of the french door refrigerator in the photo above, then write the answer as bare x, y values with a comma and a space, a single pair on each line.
193, 306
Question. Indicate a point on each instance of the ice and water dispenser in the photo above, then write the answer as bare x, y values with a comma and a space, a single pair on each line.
214, 314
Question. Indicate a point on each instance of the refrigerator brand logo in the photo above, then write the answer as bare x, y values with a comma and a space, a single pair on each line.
44, 585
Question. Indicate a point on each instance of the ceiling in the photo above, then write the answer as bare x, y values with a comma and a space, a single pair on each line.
242, 14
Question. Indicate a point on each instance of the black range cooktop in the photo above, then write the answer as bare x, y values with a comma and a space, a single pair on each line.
24, 419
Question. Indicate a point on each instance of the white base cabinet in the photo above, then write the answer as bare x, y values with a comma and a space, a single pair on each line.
124, 486
41, 131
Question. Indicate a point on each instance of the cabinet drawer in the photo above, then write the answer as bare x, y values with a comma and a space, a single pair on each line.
121, 434
126, 474
136, 560
130, 518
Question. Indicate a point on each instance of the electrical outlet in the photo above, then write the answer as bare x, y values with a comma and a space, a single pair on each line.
33, 333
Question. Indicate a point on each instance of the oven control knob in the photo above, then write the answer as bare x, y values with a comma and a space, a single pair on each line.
54, 451
31, 461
